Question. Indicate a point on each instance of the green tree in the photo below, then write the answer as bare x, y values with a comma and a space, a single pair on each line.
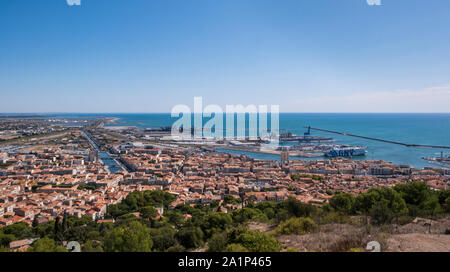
20, 230
46, 229
64, 224
5, 239
46, 245
380, 213
247, 213
163, 238
126, 219
431, 205
148, 212
136, 200
343, 202
217, 242
93, 235
190, 237
297, 208
57, 229
393, 199
35, 222
269, 212
133, 237
256, 241
105, 228
176, 218
216, 222
414, 193
92, 246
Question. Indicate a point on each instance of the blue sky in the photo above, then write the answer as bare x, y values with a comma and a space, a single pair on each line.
149, 55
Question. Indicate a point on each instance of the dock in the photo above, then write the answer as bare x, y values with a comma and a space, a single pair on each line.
381, 140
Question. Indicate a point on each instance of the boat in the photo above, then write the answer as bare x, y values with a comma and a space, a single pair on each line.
346, 151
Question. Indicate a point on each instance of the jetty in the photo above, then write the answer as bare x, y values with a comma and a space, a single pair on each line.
380, 140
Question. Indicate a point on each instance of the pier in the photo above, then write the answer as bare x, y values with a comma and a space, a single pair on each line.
381, 140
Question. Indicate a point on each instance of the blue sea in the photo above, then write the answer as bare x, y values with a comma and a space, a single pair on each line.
427, 129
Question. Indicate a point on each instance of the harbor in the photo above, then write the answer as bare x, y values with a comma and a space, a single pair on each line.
443, 161
381, 140
306, 146
427, 129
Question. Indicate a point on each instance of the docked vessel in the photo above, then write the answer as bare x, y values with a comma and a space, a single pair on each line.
346, 151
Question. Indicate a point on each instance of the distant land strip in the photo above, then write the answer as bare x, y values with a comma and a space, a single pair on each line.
380, 140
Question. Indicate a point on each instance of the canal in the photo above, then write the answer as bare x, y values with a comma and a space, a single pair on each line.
107, 160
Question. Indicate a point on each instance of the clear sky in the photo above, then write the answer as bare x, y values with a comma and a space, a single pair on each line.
149, 55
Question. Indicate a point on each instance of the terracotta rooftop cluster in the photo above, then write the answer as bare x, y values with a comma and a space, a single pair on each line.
52, 182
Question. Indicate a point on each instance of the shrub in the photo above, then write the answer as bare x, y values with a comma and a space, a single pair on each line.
256, 241
404, 219
296, 226
346, 244
235, 248
176, 248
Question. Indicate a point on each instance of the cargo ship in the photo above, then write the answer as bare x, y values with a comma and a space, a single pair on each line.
346, 151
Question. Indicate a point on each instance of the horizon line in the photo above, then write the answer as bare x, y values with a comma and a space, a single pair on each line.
47, 113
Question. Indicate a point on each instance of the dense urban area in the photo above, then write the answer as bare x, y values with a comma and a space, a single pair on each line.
128, 190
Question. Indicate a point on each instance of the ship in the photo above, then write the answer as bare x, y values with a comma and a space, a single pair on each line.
346, 151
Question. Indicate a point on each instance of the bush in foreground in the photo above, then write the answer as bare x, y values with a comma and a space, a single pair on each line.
299, 226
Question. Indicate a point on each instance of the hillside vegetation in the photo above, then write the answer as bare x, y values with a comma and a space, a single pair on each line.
346, 223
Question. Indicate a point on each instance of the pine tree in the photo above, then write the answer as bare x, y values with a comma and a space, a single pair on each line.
57, 228
64, 223
35, 222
